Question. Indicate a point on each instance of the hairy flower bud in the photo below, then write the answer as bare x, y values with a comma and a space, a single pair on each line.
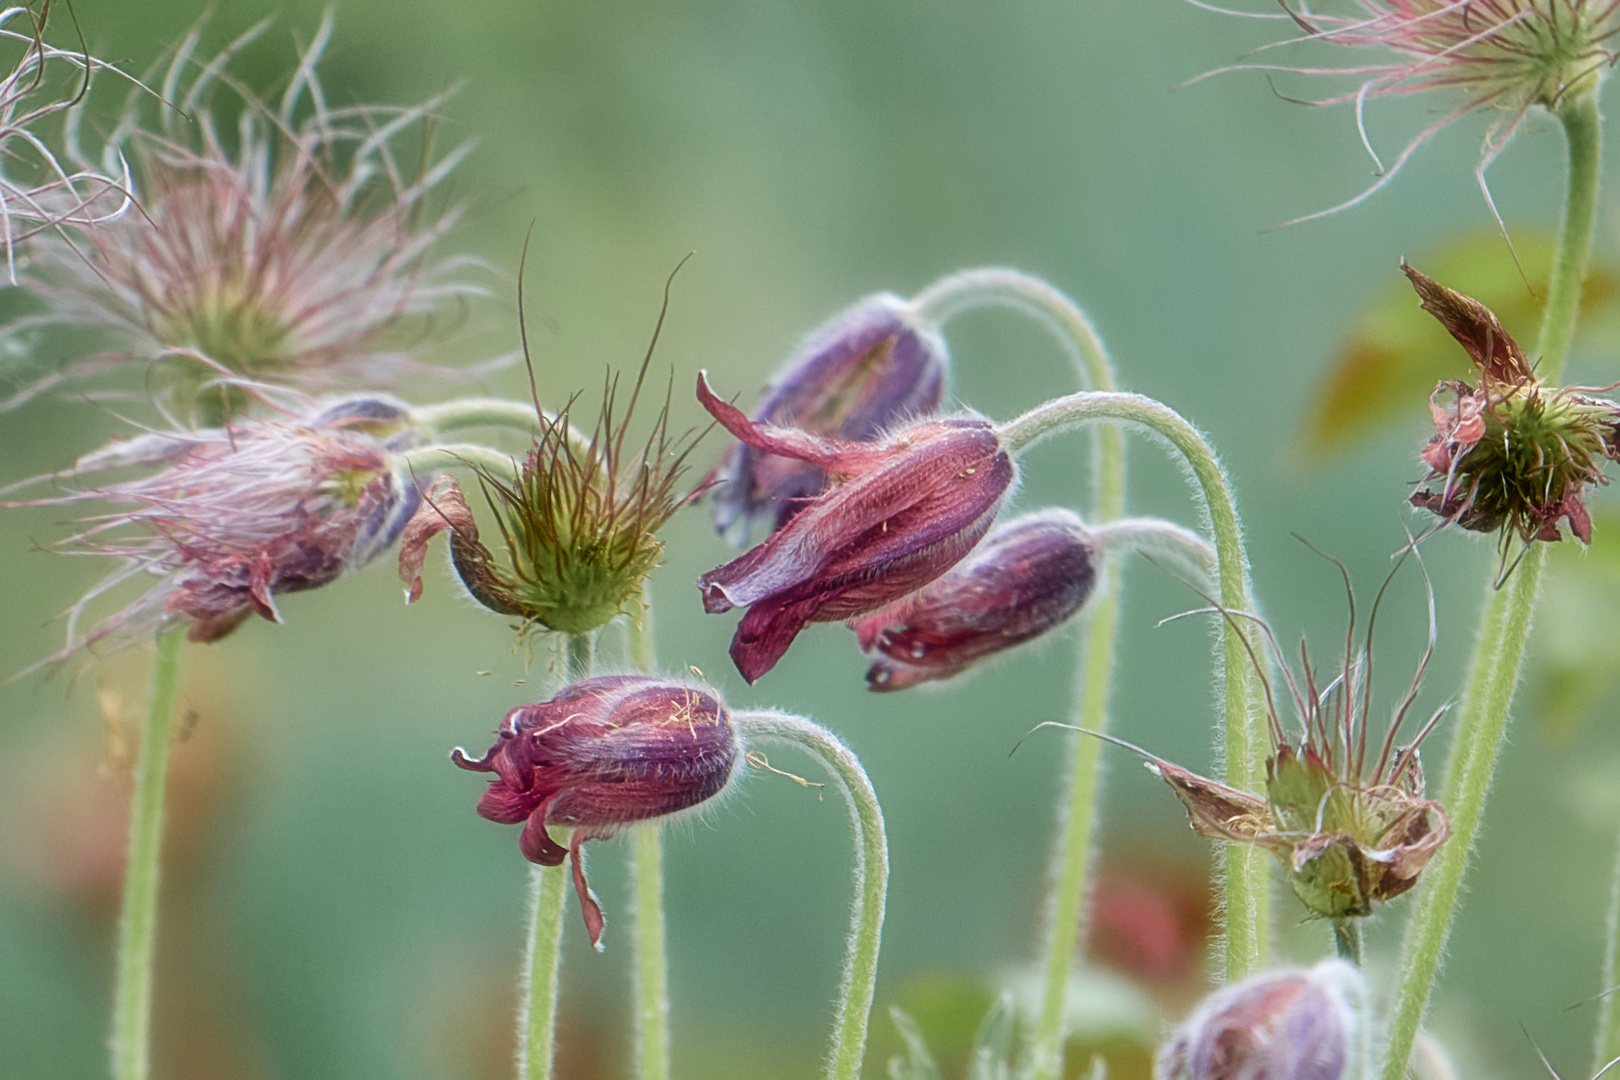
1283, 1025
1512, 455
857, 376
1026, 577
604, 753
235, 517
900, 514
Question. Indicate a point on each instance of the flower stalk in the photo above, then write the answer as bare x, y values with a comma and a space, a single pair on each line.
871, 875
1095, 660
647, 880
1606, 1042
1493, 672
1247, 881
537, 997
138, 914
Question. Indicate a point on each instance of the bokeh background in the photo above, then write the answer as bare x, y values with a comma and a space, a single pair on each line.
334, 908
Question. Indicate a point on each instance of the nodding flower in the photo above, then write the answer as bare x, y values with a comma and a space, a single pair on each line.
1282, 1025
231, 518
1028, 576
1511, 455
1350, 829
1508, 56
866, 370
294, 251
604, 753
899, 514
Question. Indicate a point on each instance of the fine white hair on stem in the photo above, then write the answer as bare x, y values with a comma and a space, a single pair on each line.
871, 874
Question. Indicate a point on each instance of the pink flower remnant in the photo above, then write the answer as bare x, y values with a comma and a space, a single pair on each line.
1028, 576
855, 378
233, 518
1504, 55
295, 252
900, 513
604, 753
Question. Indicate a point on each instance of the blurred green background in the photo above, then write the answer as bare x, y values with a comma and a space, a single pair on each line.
334, 906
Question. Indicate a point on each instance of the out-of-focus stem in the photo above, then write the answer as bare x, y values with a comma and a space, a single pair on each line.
1247, 882
429, 459
580, 651
1606, 1042
1347, 940
138, 914
871, 875
995, 286
464, 413
1493, 672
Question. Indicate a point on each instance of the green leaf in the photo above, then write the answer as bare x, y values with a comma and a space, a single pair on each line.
988, 1058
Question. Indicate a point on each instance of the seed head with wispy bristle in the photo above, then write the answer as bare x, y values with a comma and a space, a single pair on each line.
294, 251
1507, 56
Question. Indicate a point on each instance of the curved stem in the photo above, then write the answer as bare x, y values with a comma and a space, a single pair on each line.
995, 286
138, 914
1247, 880
647, 876
1481, 725
1162, 539
537, 997
462, 413
871, 875
1493, 671
431, 459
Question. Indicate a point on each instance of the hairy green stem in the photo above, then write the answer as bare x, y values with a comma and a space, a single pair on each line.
430, 459
1481, 724
871, 875
1493, 672
1606, 1042
652, 965
542, 962
995, 286
548, 894
138, 915
463, 413
647, 876
1347, 940
1247, 879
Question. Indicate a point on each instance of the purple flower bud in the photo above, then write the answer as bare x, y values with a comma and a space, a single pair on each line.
603, 753
853, 379
1028, 576
233, 518
900, 514
1285, 1025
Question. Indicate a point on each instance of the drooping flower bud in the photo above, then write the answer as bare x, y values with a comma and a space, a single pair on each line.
1026, 577
234, 518
856, 377
604, 753
1512, 455
1283, 1025
900, 513
580, 522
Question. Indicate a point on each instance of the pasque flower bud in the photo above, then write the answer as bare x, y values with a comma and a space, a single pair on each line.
604, 753
1283, 1025
900, 513
1026, 577
866, 370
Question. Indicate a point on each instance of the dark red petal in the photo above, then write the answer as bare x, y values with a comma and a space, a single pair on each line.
834, 455
765, 633
588, 906
444, 509
1475, 327
537, 844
